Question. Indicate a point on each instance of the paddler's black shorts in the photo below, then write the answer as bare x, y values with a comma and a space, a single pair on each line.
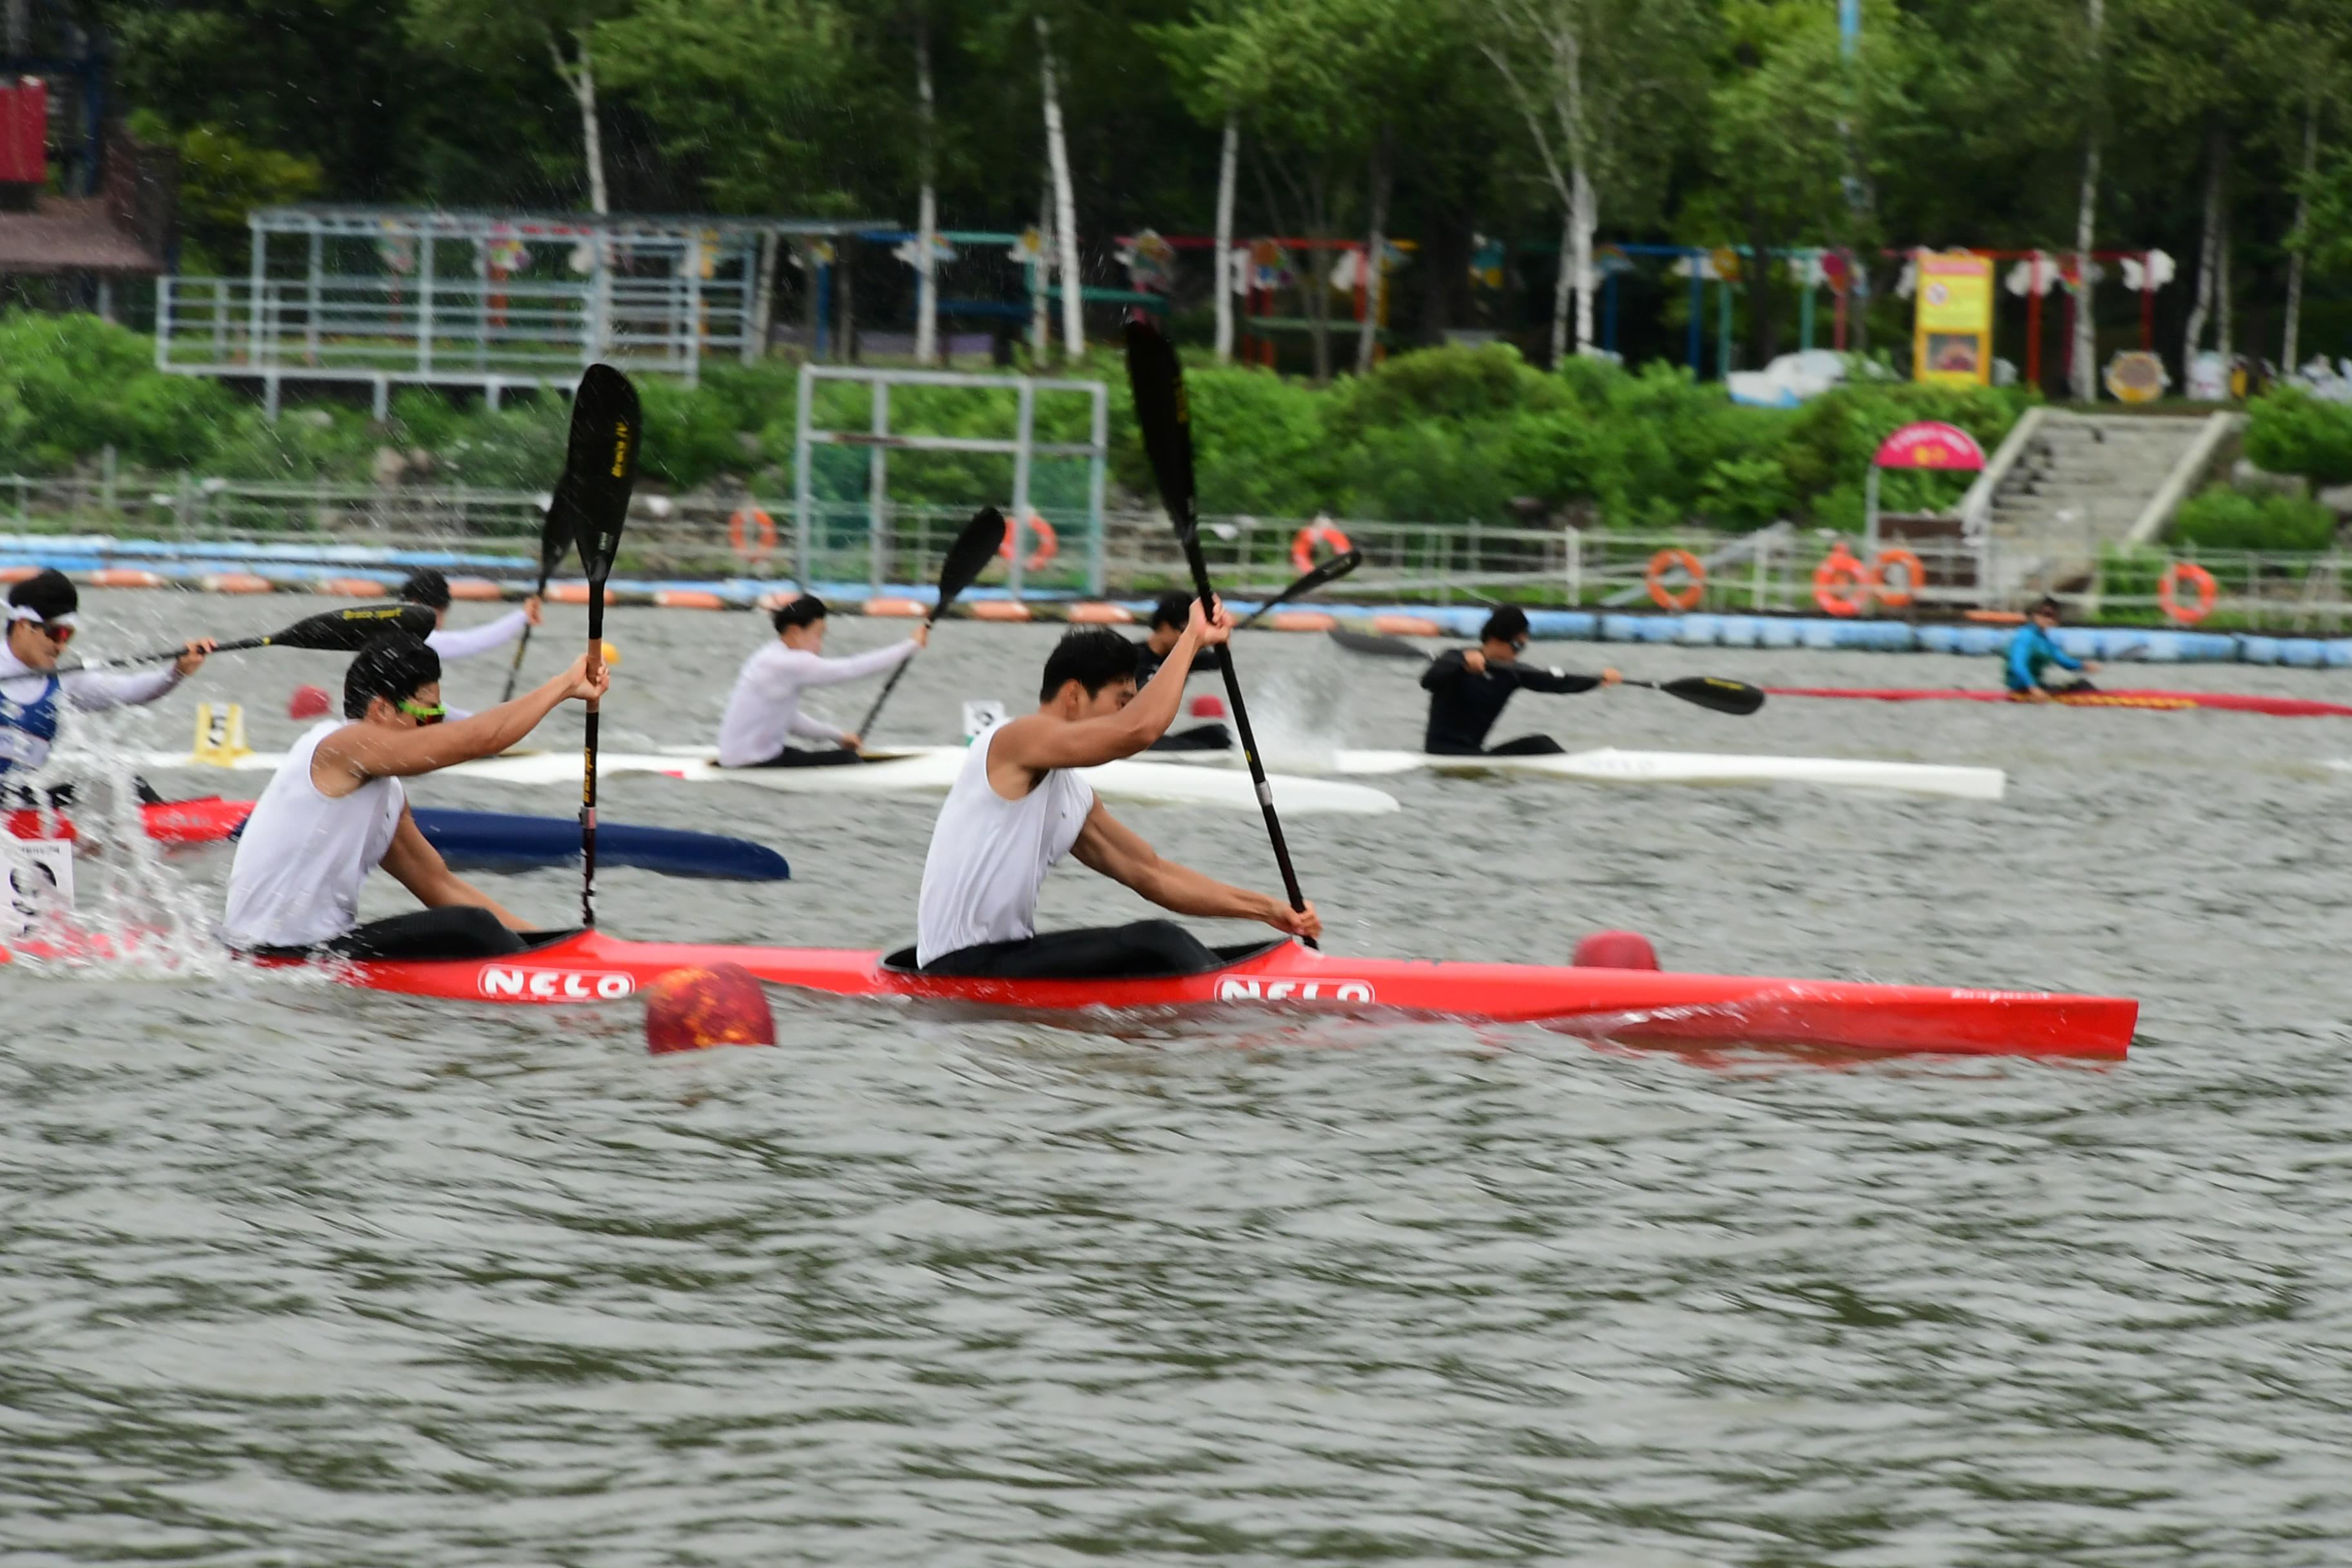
1144, 950
794, 757
453, 930
1212, 737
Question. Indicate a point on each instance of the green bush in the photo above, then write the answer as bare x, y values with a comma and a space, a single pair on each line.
2222, 518
2288, 431
79, 384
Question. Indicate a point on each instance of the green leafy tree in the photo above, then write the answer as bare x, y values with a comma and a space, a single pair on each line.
469, 28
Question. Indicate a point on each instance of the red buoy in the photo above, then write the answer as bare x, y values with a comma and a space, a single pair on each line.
689, 1009
309, 703
1615, 950
1207, 707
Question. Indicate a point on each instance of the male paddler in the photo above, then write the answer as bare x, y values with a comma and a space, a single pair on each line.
1016, 808
43, 617
1169, 618
336, 810
2031, 652
763, 712
429, 588
1467, 688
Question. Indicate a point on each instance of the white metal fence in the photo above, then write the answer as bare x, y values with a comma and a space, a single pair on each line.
853, 542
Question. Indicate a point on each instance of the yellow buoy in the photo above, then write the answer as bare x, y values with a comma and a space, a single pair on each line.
612, 656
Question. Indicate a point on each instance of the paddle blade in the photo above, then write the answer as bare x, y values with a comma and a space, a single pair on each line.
969, 556
1378, 647
1735, 697
1163, 418
600, 466
349, 630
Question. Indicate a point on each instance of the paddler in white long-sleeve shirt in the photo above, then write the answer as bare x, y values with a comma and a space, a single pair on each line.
43, 616
429, 588
763, 712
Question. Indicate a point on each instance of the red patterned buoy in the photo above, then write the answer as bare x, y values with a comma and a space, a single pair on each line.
689, 1009
309, 703
1615, 950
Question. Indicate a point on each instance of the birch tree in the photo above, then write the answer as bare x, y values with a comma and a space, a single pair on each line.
1066, 203
1591, 81
562, 29
2084, 387
926, 199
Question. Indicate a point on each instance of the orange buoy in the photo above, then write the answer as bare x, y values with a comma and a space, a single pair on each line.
132, 577
1693, 588
2167, 592
1322, 531
238, 583
577, 593
904, 609
1301, 621
751, 533
1914, 576
1100, 612
1047, 547
1840, 583
691, 1009
353, 588
1407, 626
999, 610
688, 599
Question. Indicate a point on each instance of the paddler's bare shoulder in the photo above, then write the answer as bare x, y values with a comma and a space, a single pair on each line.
339, 761
1013, 747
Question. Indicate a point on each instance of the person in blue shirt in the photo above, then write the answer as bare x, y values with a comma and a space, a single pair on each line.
2033, 650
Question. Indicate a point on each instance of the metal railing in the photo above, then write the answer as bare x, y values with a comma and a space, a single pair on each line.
852, 542
444, 332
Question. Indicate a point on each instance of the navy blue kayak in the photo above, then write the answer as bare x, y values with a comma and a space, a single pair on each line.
502, 841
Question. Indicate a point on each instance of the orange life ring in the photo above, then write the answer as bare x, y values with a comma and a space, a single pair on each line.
1914, 576
2167, 592
1665, 561
1048, 545
753, 534
1837, 568
1303, 543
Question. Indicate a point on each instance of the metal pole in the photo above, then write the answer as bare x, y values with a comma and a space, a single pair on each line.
1575, 567
1023, 438
256, 280
317, 270
1697, 313
424, 301
803, 492
1096, 570
877, 487
692, 262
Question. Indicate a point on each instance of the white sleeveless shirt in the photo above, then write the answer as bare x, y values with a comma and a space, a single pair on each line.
304, 857
988, 856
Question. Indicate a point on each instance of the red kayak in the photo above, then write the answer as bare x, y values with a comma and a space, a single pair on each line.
207, 821
2161, 702
1637, 1007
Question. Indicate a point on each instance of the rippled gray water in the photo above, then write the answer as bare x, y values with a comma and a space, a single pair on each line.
297, 1275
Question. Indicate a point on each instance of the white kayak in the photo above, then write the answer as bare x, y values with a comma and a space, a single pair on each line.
1608, 765
920, 770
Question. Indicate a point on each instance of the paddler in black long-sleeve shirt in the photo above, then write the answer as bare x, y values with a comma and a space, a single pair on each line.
1468, 686
1169, 618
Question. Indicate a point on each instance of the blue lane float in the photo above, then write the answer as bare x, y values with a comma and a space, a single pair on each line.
305, 566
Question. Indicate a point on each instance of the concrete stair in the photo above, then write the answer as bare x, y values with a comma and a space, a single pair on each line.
2082, 481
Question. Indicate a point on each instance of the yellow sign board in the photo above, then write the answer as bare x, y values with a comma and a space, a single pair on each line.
1952, 341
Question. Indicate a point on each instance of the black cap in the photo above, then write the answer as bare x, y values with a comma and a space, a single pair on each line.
2048, 606
428, 588
1173, 611
392, 667
1507, 624
50, 595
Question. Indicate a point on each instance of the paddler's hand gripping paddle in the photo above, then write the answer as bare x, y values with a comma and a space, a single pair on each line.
1712, 691
600, 469
1156, 379
968, 557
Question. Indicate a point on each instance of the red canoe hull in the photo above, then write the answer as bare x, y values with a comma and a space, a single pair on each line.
1637, 1007
2157, 702
207, 821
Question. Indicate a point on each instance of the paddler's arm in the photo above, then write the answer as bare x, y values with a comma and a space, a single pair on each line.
1040, 744
364, 751
416, 865
1447, 668
1112, 848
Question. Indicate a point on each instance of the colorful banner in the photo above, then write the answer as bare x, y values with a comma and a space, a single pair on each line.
1952, 341
1930, 444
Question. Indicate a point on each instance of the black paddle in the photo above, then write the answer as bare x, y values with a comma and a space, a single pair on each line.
1157, 379
600, 468
968, 557
1708, 691
1330, 571
329, 631
556, 532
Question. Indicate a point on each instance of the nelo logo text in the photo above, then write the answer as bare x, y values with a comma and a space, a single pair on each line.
502, 982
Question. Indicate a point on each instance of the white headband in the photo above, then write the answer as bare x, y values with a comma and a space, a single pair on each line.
27, 613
